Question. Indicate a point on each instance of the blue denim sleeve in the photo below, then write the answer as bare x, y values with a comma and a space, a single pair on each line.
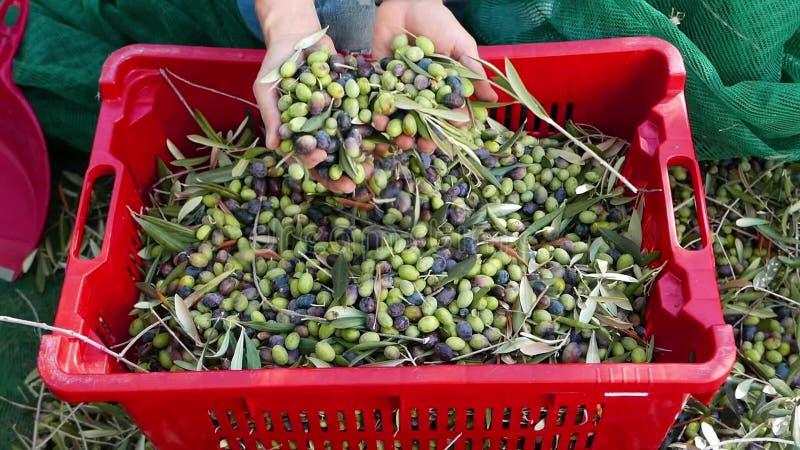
350, 22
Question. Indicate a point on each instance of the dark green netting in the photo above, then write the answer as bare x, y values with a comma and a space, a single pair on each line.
742, 58
66, 43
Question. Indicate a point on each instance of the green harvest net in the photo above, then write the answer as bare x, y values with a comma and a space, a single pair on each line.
742, 56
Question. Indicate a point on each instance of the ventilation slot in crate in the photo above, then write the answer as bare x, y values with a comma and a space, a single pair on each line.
514, 116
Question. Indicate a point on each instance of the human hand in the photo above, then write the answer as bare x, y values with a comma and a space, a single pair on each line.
284, 24
432, 19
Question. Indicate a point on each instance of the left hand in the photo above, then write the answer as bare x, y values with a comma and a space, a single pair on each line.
432, 19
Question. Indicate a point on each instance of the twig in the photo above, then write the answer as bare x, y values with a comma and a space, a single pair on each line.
206, 88
75, 335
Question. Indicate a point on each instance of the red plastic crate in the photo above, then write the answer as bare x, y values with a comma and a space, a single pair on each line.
630, 87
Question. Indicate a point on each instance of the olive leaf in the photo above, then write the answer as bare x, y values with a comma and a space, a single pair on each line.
370, 346
498, 209
460, 270
403, 102
271, 326
414, 66
743, 388
190, 162
533, 348
239, 168
238, 353
750, 222
217, 176
205, 126
316, 122
765, 277
172, 236
204, 289
524, 305
309, 41
183, 365
216, 189
777, 237
318, 363
490, 105
208, 142
516, 137
254, 152
252, 356
224, 345
188, 207
537, 225
174, 151
341, 277
651, 346
592, 353
184, 318
570, 157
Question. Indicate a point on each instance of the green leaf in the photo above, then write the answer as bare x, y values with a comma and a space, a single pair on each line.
750, 222
183, 365
271, 326
593, 354
254, 152
403, 102
777, 237
479, 169
651, 346
224, 344
781, 387
217, 176
625, 245
506, 147
174, 151
316, 122
184, 319
310, 41
498, 209
537, 225
208, 142
238, 353
346, 162
206, 127
460, 270
765, 277
422, 129
491, 105
173, 237
216, 189
370, 346
318, 363
524, 305
341, 278
523, 95
579, 205
252, 356
190, 162
502, 171
188, 207
743, 388
349, 322
239, 168
415, 67
570, 157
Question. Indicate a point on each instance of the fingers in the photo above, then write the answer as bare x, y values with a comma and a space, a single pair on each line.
312, 159
483, 89
343, 185
267, 98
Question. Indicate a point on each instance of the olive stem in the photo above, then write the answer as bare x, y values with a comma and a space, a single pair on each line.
75, 335
206, 88
477, 352
407, 338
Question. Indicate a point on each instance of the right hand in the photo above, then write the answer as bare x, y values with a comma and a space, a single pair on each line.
284, 23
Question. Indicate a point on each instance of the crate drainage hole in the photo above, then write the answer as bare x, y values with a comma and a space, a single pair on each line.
683, 191
95, 225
